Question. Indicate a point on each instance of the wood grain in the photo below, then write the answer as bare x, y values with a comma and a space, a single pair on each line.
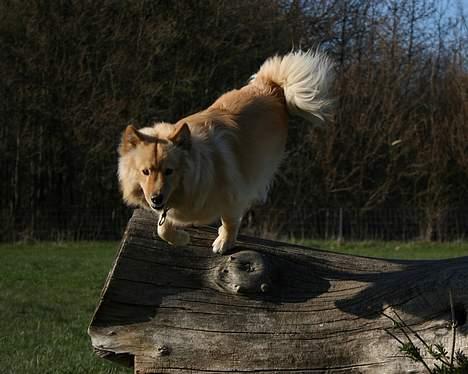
268, 307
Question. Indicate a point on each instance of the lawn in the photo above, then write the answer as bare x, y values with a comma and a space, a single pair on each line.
395, 250
48, 292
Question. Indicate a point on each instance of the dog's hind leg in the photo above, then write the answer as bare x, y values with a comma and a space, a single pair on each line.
168, 232
227, 234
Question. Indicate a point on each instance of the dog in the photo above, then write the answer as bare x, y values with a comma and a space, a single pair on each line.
215, 163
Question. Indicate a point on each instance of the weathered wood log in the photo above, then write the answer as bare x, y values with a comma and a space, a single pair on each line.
269, 307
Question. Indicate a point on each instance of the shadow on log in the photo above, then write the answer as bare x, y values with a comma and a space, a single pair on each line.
268, 307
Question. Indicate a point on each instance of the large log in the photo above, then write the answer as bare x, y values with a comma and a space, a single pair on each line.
268, 307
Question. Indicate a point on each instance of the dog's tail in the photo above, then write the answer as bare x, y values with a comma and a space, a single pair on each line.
305, 78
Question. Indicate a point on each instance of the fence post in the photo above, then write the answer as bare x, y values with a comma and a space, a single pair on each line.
340, 227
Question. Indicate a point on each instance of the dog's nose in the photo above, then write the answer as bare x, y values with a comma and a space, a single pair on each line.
157, 200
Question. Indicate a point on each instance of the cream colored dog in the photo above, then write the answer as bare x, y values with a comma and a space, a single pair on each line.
216, 163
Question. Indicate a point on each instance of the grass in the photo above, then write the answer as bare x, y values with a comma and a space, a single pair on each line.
48, 292
416, 250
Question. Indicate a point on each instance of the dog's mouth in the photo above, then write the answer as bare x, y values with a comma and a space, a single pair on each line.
157, 202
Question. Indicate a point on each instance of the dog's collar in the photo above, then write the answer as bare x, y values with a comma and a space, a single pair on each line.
162, 219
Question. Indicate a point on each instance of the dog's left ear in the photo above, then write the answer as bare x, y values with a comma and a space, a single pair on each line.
181, 136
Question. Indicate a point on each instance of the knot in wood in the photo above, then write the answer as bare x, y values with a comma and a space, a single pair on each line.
163, 350
246, 272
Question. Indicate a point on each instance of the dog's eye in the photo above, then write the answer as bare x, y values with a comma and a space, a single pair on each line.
168, 171
145, 171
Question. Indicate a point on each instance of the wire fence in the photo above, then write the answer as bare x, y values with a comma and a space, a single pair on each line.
320, 224
71, 224
354, 224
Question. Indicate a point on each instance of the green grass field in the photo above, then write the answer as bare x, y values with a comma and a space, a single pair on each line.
48, 293
417, 250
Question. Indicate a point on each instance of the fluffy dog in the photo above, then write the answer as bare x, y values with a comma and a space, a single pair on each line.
217, 162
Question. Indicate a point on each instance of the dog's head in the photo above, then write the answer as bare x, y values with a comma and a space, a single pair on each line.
152, 162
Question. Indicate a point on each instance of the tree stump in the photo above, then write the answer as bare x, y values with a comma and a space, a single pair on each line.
269, 307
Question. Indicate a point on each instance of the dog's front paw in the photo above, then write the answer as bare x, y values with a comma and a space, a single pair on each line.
221, 245
180, 237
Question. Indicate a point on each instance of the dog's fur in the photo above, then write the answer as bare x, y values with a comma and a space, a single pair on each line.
215, 163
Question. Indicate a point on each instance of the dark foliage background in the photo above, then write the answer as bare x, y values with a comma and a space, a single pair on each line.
74, 73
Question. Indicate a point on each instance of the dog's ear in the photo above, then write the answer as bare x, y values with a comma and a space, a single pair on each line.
130, 139
181, 136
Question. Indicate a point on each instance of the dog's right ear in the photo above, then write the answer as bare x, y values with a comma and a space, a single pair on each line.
130, 139
181, 136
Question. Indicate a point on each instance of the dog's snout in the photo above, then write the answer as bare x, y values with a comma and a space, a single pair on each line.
157, 200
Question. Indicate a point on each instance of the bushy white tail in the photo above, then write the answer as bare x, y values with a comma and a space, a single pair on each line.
305, 78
